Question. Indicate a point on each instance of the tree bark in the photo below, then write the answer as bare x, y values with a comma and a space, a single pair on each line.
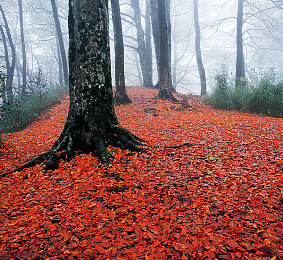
147, 79
165, 81
91, 123
60, 64
61, 42
121, 96
138, 68
198, 50
169, 29
240, 60
155, 33
10, 66
24, 56
148, 46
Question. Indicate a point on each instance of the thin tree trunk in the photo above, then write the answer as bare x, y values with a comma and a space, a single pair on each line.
60, 64
165, 81
240, 61
147, 80
61, 41
169, 28
155, 33
138, 68
174, 67
121, 96
24, 82
198, 49
18, 70
10, 66
148, 46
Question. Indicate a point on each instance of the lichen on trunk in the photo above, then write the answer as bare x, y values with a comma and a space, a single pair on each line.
91, 124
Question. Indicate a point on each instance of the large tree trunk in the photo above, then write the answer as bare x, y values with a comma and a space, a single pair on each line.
91, 121
198, 50
61, 42
147, 77
155, 33
10, 65
121, 96
240, 61
24, 56
165, 81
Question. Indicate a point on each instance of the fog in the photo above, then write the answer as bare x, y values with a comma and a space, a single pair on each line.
262, 37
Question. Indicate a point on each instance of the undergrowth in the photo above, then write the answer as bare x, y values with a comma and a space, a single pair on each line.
22, 112
266, 97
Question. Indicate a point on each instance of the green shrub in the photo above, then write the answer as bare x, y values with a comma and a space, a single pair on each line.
265, 98
3, 77
24, 111
221, 95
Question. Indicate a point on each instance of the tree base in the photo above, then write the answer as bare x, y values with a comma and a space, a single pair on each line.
167, 94
74, 138
122, 99
67, 144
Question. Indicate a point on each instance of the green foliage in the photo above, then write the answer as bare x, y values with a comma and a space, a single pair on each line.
24, 111
3, 77
265, 98
221, 97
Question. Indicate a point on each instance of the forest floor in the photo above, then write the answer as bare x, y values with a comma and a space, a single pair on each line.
217, 196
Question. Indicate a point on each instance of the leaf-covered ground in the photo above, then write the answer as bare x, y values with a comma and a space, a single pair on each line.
219, 196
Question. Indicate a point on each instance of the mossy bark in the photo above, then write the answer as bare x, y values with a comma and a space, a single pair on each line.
91, 124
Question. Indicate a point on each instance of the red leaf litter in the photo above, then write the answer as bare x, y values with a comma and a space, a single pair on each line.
209, 187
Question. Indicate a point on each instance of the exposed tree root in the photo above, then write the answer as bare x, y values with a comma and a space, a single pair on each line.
68, 143
167, 94
179, 146
122, 99
41, 158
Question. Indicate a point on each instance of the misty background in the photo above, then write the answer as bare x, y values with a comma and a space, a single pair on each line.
263, 38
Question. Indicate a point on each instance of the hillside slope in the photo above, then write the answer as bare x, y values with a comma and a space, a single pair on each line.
209, 186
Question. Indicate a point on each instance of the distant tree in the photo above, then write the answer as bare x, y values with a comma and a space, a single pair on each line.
59, 61
148, 45
3, 77
24, 56
240, 60
9, 61
141, 48
169, 29
91, 124
198, 49
60, 42
121, 96
155, 32
165, 80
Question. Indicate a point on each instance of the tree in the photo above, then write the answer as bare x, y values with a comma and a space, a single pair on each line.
60, 42
198, 49
155, 33
240, 60
169, 29
10, 63
145, 67
91, 124
148, 45
165, 81
121, 96
24, 56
